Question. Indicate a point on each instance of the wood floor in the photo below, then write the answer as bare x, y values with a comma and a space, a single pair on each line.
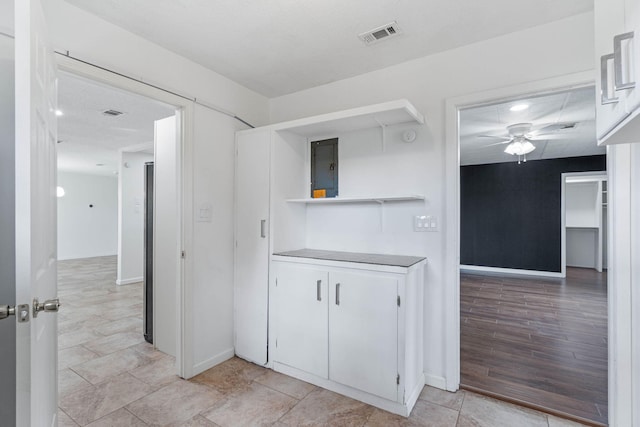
536, 340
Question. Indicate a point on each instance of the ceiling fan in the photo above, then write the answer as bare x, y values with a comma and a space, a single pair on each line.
520, 138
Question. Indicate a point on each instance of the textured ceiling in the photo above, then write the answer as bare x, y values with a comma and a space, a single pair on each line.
88, 137
277, 47
576, 106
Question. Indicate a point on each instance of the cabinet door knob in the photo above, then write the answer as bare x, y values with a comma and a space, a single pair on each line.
263, 229
620, 84
319, 290
337, 293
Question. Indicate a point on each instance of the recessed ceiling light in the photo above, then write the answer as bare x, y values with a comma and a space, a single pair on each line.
99, 164
59, 113
519, 107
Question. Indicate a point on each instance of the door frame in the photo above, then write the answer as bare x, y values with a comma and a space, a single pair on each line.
452, 199
596, 176
185, 110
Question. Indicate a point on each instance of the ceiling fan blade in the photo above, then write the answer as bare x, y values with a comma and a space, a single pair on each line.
546, 136
496, 143
506, 138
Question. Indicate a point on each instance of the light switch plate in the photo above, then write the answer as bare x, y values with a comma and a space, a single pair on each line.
425, 223
204, 213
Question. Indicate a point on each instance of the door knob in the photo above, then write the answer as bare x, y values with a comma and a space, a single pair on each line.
21, 310
50, 305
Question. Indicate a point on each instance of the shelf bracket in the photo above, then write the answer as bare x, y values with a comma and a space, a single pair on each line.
383, 127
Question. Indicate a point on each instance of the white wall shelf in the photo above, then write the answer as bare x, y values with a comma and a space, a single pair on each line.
371, 116
357, 199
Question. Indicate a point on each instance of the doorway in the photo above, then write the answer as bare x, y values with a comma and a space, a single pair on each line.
531, 332
106, 137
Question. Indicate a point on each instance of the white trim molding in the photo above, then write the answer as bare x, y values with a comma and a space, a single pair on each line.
120, 282
501, 270
452, 198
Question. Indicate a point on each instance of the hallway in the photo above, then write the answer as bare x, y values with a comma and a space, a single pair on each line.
542, 341
110, 377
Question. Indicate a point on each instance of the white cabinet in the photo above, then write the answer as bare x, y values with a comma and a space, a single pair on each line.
610, 105
353, 328
301, 318
617, 49
363, 332
252, 246
272, 166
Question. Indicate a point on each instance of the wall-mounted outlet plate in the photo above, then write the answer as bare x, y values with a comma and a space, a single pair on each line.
425, 223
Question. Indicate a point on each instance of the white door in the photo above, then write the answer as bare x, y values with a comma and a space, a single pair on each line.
251, 290
363, 332
36, 340
302, 318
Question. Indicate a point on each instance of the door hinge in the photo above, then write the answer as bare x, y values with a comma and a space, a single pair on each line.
183, 255
398, 300
276, 343
276, 285
398, 379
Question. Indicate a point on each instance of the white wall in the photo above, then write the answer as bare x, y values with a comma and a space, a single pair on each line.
212, 294
559, 48
166, 258
83, 231
208, 271
131, 217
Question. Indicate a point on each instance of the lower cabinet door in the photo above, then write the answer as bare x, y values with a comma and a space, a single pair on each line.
363, 332
301, 318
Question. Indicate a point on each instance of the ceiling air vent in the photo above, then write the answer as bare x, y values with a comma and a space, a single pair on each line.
380, 33
112, 113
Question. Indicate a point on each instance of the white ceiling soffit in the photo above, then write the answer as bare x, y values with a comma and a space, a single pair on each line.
282, 46
483, 130
88, 137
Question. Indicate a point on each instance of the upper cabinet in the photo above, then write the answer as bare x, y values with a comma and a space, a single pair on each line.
617, 49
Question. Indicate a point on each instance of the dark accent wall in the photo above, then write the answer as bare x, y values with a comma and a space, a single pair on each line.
510, 212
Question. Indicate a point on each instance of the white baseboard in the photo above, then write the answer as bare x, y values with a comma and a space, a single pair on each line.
129, 281
377, 401
435, 381
511, 271
211, 362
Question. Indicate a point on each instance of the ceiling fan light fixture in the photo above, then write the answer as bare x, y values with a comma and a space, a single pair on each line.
519, 107
520, 147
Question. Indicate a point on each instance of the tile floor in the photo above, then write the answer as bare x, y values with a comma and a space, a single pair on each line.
109, 376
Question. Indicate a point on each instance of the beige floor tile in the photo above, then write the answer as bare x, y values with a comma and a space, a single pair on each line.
199, 421
561, 422
98, 370
122, 312
481, 411
174, 403
231, 376
65, 420
70, 382
442, 397
74, 356
72, 324
148, 350
89, 405
285, 384
119, 418
323, 407
424, 414
115, 342
120, 325
77, 337
157, 373
256, 406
